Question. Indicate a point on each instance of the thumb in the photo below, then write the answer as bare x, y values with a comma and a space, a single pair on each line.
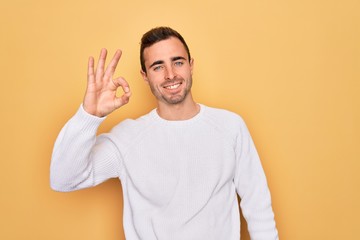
120, 101
124, 99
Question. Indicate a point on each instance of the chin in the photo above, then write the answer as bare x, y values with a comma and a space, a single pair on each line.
175, 99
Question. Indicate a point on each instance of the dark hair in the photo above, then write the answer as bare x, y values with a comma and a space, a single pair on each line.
156, 35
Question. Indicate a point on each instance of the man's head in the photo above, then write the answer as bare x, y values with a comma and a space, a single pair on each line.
167, 66
156, 35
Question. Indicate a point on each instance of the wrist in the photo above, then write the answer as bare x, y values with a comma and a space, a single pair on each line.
92, 113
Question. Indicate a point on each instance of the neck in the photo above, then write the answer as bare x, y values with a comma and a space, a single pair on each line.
176, 112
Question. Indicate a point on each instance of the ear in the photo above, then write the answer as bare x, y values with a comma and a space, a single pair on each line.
144, 76
191, 65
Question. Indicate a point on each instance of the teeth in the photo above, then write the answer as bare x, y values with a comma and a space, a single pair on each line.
173, 86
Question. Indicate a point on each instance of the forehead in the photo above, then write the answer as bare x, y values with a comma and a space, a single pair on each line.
164, 50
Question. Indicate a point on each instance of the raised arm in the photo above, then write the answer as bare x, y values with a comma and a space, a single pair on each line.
80, 159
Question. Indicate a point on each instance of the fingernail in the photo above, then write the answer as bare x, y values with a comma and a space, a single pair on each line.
127, 89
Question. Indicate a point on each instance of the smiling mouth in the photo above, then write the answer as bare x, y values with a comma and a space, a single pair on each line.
172, 86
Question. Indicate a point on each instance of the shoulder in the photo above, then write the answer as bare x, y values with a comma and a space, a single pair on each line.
131, 129
222, 117
227, 122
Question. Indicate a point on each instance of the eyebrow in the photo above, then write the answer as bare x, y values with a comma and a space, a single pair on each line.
173, 59
156, 63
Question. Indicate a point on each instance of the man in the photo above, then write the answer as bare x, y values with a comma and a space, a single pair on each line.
181, 165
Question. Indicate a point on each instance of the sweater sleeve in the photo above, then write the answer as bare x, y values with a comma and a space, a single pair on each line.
253, 190
80, 159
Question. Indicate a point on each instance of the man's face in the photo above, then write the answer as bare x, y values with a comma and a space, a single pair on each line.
168, 71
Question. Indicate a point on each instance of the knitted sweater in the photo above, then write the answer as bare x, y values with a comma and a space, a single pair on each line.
180, 179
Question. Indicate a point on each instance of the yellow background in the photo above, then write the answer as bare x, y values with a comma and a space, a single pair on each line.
290, 68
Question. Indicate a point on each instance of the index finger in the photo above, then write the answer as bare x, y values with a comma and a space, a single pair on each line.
113, 64
91, 70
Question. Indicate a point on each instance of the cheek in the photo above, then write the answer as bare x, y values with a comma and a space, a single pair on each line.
185, 72
154, 83
156, 78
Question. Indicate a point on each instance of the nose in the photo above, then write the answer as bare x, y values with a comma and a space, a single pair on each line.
169, 73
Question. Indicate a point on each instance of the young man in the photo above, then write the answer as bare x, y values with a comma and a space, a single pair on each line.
181, 166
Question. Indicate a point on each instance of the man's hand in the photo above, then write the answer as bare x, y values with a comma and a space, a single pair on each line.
100, 97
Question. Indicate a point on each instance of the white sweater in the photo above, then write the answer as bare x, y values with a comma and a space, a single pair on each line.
179, 178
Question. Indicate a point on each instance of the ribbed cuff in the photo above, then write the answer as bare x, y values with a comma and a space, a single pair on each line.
86, 121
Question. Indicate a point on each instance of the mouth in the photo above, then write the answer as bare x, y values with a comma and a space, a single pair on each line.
172, 86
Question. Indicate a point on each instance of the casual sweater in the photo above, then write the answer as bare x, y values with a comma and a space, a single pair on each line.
180, 179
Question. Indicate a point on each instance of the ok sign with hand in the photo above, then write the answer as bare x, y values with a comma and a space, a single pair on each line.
100, 97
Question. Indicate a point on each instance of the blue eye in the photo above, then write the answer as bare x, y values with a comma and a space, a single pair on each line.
157, 68
179, 63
